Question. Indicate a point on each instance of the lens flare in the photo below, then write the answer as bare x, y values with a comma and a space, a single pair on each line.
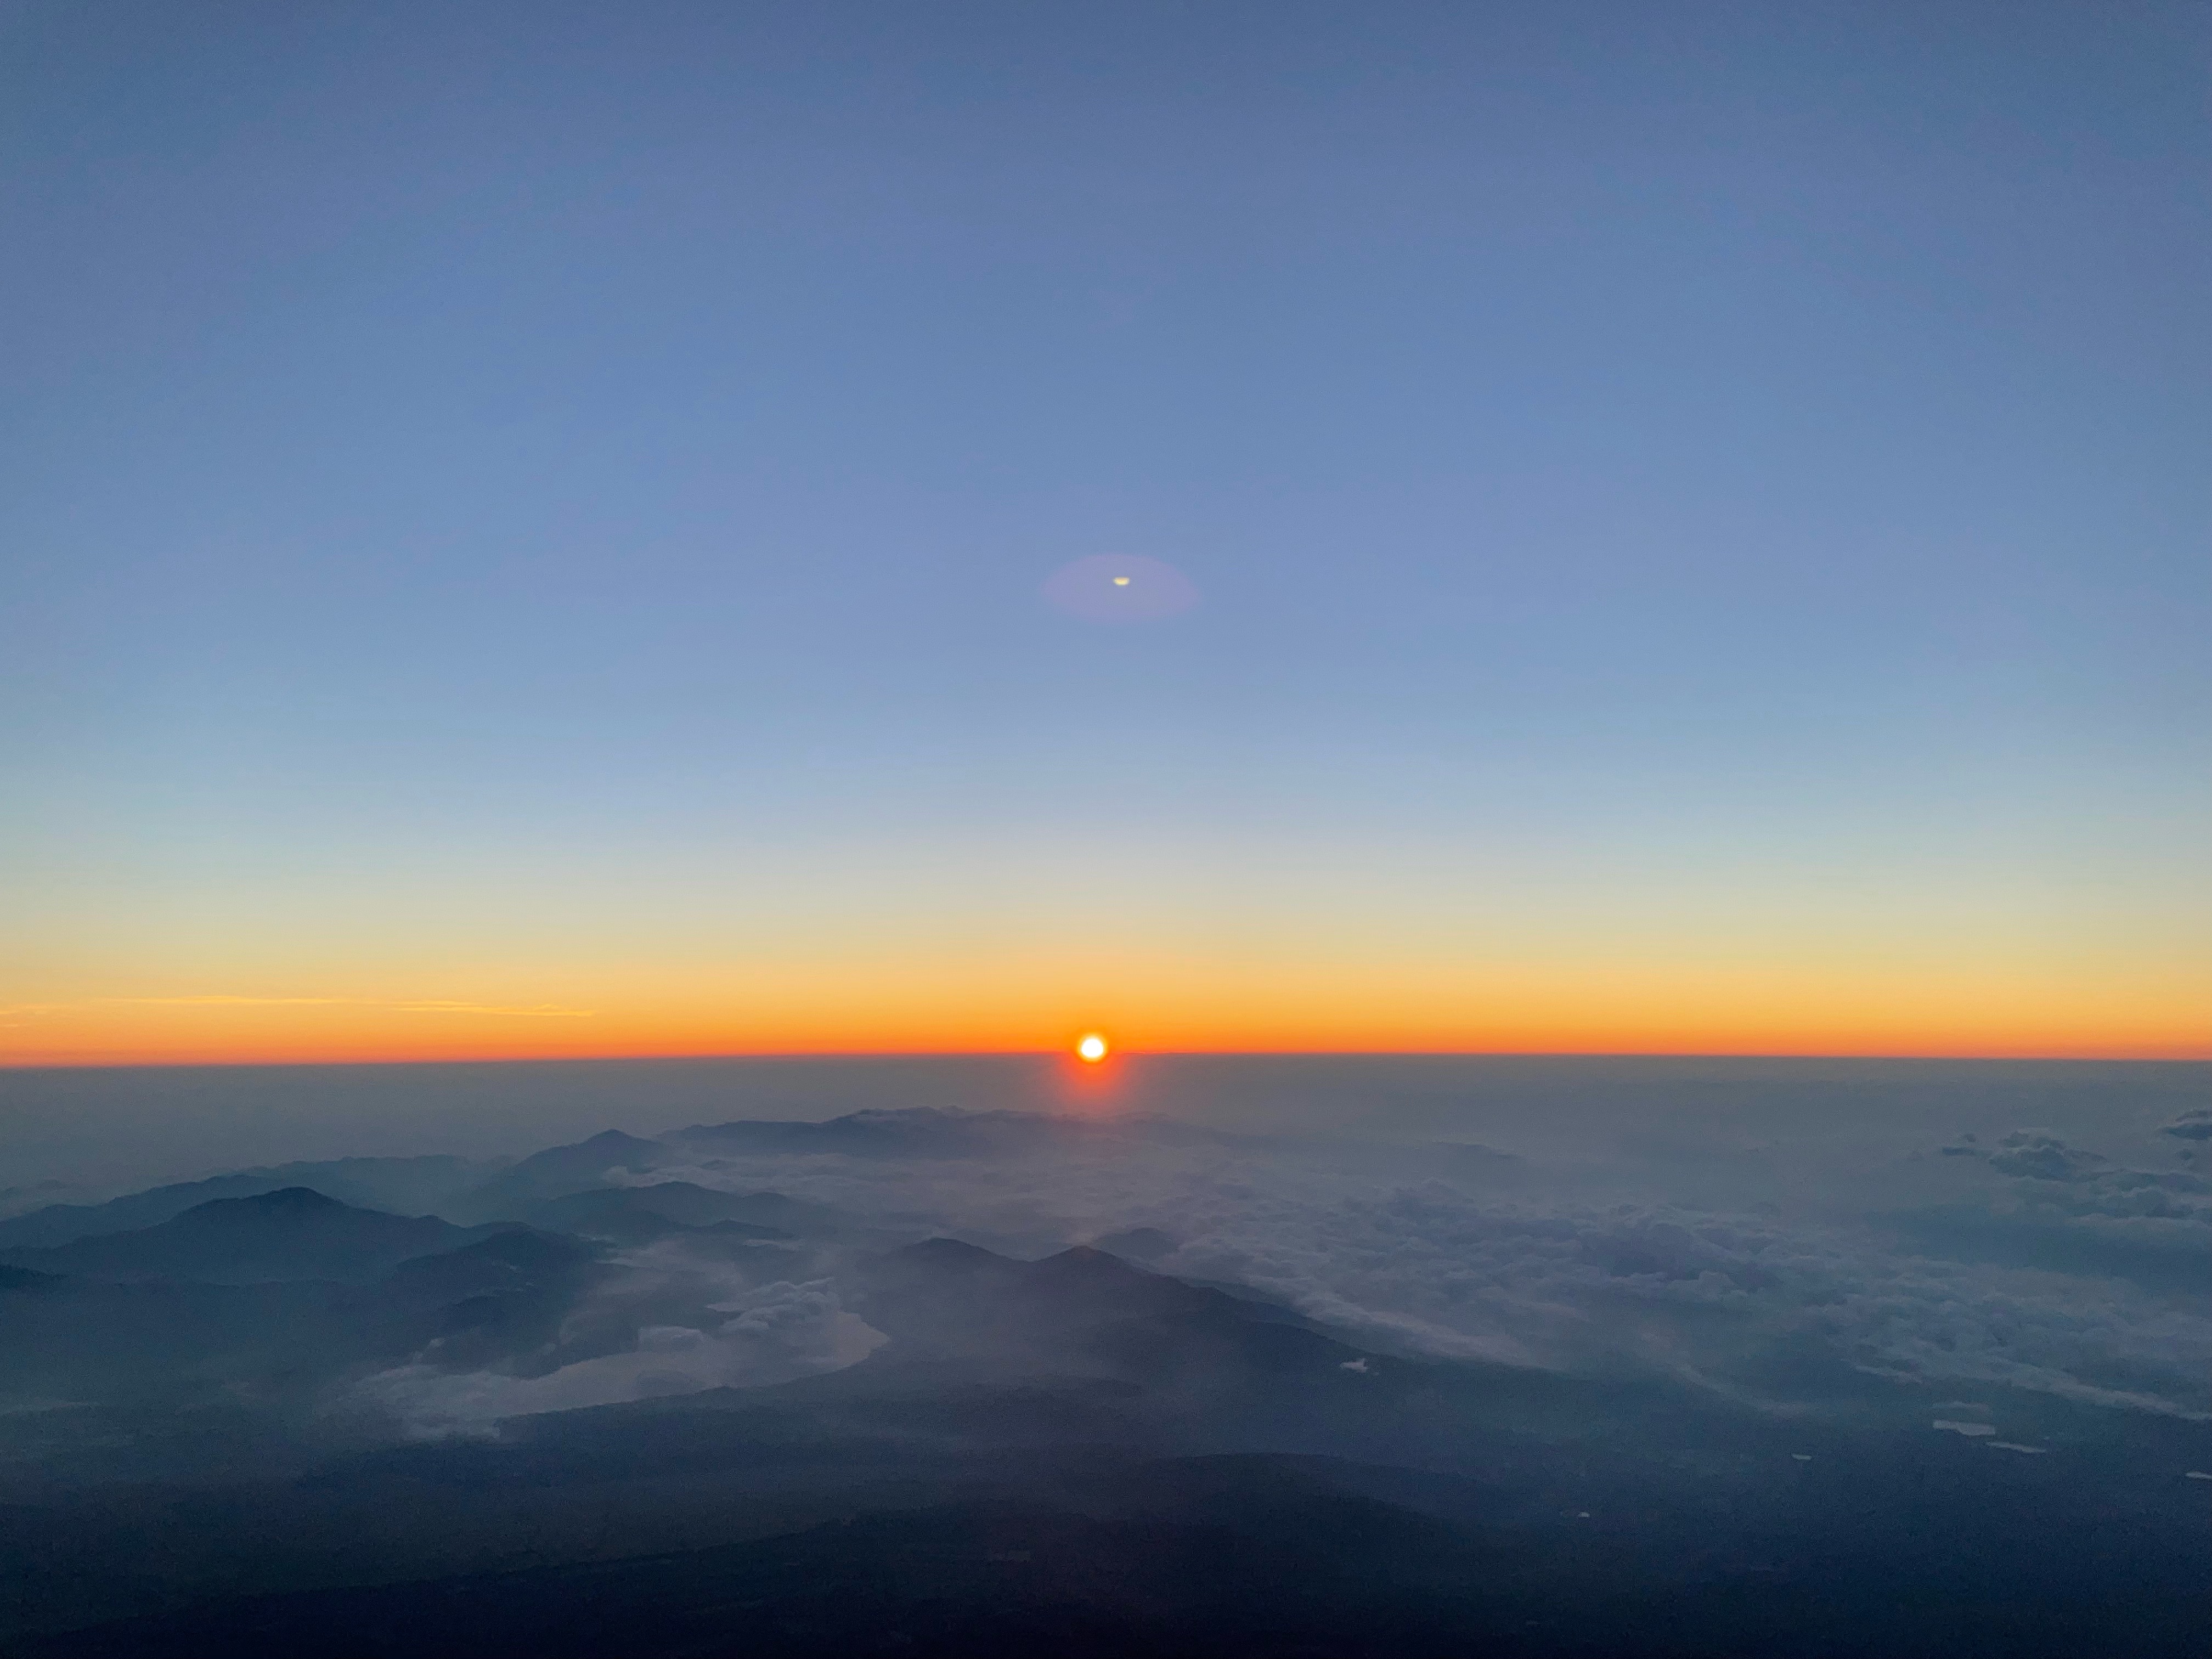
1091, 1047
1120, 587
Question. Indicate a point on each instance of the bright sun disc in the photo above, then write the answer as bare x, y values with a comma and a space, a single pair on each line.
1092, 1048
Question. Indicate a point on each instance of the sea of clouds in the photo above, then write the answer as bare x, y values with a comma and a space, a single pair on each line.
2013, 1260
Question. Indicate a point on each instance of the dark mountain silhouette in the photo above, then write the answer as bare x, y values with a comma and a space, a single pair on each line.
490, 1265
64, 1224
948, 1293
481, 1304
293, 1233
405, 1185
1085, 1313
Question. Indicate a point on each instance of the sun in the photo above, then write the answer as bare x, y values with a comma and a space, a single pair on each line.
1091, 1047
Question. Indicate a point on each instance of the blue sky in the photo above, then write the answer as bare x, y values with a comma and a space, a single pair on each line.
1739, 462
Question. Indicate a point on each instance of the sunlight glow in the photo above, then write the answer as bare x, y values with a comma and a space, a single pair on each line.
1091, 1047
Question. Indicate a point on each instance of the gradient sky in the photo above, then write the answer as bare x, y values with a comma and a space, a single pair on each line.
523, 528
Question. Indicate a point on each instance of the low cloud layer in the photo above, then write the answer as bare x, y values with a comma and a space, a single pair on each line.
749, 1334
1545, 1273
2022, 1262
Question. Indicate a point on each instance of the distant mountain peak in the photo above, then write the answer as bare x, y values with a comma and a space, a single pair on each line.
951, 1251
293, 1200
615, 1139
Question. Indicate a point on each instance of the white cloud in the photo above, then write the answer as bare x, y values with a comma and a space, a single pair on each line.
774, 1333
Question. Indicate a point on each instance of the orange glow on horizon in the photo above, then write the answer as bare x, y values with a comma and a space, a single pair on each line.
325, 1046
127, 1060
502, 1010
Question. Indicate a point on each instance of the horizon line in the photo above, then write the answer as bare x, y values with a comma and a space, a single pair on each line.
2135, 1057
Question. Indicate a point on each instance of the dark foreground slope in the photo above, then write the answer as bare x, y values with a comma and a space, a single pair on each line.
1074, 1456
1224, 1556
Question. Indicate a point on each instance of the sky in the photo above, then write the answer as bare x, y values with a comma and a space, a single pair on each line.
545, 530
